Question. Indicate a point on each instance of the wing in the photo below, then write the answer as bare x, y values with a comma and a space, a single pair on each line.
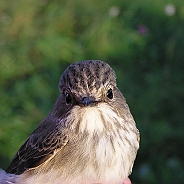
39, 147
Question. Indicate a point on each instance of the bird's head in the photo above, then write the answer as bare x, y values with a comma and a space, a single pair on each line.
88, 90
87, 83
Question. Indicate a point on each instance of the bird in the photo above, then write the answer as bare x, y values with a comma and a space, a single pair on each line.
90, 136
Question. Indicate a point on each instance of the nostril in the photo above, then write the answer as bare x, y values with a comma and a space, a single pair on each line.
85, 101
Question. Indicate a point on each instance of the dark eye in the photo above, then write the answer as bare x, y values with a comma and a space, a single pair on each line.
110, 94
68, 98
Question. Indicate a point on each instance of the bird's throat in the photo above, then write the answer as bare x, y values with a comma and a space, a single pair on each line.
95, 119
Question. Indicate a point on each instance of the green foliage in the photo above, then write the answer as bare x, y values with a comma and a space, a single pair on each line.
142, 40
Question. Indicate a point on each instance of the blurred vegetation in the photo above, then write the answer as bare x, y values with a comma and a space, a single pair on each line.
142, 40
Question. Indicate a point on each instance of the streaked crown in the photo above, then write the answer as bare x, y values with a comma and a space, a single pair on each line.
87, 76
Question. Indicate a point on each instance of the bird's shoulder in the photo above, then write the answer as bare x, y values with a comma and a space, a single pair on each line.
42, 144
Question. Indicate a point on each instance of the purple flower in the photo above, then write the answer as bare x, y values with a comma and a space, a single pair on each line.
142, 29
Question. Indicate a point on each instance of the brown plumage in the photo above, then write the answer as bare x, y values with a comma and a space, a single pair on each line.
89, 137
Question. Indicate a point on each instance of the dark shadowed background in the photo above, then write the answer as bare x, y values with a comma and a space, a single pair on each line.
142, 40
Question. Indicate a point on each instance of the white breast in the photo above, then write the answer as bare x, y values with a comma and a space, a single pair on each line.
103, 152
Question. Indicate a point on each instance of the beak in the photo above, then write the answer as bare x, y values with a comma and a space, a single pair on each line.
88, 101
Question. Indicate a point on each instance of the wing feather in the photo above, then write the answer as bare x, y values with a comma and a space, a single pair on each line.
38, 148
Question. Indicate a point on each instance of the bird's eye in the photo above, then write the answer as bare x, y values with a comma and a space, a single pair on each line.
110, 94
68, 98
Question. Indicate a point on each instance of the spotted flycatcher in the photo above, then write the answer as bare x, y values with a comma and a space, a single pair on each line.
89, 137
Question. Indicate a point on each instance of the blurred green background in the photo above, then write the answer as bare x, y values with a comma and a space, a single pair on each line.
143, 41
